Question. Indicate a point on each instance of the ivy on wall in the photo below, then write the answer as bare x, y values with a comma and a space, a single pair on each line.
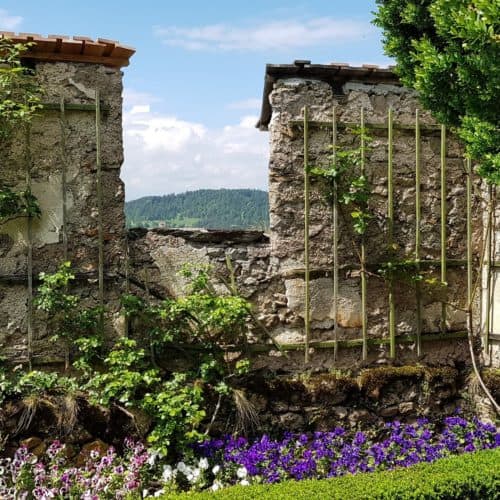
20, 101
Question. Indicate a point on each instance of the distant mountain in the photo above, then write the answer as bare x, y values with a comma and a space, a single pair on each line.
205, 208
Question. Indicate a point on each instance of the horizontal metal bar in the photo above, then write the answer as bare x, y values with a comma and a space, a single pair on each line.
50, 106
380, 126
318, 272
327, 344
22, 278
400, 339
346, 344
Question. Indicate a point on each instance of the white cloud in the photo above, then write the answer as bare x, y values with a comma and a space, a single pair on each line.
140, 109
246, 104
162, 133
165, 154
278, 35
9, 22
133, 97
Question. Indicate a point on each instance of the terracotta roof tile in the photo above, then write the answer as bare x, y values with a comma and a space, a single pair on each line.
77, 49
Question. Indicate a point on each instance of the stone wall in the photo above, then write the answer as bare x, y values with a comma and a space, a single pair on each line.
268, 269
288, 98
76, 83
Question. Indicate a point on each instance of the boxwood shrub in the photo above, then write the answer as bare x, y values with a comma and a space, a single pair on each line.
474, 476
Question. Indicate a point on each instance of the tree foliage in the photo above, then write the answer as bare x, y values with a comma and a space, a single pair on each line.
205, 208
449, 51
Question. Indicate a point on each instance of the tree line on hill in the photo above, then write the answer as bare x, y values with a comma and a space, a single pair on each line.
204, 208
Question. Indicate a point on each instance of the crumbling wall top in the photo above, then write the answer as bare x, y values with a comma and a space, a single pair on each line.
61, 48
336, 74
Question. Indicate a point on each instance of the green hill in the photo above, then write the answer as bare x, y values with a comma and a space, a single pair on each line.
205, 208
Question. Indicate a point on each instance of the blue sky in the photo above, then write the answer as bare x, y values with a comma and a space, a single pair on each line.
193, 89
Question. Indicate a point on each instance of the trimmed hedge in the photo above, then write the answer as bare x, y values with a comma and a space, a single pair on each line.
474, 476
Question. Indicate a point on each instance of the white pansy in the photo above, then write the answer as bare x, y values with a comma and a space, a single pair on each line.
216, 469
182, 467
154, 455
244, 482
158, 493
203, 464
168, 473
241, 473
216, 486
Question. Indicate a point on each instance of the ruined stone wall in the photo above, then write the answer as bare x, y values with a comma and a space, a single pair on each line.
76, 83
268, 270
158, 255
288, 99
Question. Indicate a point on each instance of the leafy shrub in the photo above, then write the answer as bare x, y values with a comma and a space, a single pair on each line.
129, 374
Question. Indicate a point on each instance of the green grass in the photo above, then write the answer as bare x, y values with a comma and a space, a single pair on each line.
468, 476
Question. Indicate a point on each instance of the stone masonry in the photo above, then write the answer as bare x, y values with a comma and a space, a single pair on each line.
268, 269
73, 76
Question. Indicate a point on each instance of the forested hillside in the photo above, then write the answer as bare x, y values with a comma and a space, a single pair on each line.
205, 208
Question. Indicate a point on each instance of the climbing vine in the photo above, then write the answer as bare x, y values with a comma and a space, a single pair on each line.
353, 187
14, 204
20, 101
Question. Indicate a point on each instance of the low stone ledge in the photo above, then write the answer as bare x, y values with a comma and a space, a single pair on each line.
230, 236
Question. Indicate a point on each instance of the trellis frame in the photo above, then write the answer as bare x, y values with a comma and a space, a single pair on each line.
62, 107
393, 339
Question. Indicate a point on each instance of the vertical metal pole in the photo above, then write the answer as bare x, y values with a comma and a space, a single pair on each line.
487, 326
29, 250
390, 224
307, 298
127, 281
99, 206
335, 217
443, 223
364, 330
62, 120
469, 237
64, 167
418, 217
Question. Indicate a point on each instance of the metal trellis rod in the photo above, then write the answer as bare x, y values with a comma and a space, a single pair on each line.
443, 223
469, 239
29, 243
335, 234
64, 169
489, 239
307, 298
418, 217
99, 207
364, 330
390, 235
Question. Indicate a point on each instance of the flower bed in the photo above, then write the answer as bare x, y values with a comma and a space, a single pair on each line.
216, 463
332, 454
475, 476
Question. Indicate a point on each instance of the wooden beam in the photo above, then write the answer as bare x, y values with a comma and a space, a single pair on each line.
114, 62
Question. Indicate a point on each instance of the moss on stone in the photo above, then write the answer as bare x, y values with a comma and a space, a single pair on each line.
372, 380
491, 377
328, 387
